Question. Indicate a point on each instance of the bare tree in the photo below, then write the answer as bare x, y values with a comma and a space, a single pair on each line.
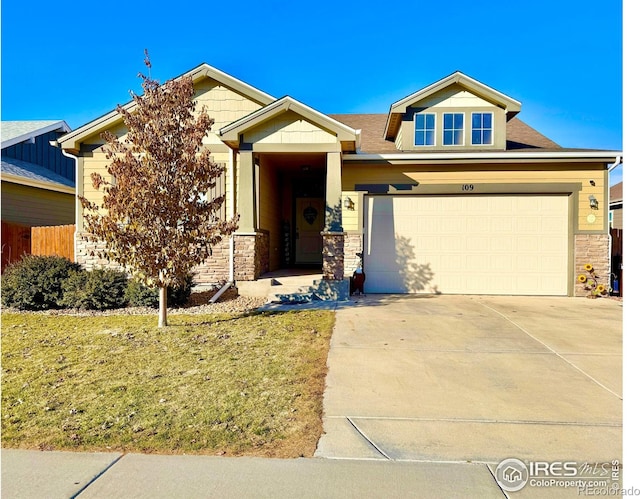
157, 217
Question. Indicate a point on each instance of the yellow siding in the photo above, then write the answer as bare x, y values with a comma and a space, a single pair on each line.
453, 96
222, 104
289, 128
386, 174
350, 217
269, 210
98, 163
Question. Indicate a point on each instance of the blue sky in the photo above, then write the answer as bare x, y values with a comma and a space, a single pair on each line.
561, 59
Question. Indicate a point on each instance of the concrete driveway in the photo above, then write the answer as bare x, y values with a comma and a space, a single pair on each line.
475, 379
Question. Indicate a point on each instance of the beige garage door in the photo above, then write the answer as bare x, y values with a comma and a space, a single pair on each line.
467, 244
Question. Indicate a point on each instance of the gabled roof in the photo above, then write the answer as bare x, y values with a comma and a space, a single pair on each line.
72, 140
397, 109
14, 132
30, 174
231, 133
520, 136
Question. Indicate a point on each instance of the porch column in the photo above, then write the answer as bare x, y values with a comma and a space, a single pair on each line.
246, 193
333, 197
333, 235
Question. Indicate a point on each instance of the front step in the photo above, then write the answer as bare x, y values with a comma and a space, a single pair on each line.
294, 298
295, 289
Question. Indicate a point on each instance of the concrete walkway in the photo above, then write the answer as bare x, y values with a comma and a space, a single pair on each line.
32, 474
425, 396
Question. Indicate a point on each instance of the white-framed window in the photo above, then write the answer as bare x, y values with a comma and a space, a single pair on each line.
453, 129
425, 129
482, 128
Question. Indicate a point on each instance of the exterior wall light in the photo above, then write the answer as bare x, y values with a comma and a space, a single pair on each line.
349, 204
593, 202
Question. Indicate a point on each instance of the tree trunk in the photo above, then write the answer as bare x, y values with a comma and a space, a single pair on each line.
162, 309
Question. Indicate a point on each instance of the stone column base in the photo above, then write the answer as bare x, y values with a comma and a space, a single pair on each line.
593, 249
250, 255
333, 256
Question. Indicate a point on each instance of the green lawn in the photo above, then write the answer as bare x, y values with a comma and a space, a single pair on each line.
238, 385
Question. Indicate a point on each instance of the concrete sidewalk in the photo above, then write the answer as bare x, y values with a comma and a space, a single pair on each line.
34, 474
424, 397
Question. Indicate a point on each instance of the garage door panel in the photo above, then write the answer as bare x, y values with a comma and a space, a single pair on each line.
467, 244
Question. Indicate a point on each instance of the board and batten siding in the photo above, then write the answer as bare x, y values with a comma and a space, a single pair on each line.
41, 153
36, 207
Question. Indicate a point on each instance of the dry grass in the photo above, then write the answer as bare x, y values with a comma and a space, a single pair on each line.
209, 384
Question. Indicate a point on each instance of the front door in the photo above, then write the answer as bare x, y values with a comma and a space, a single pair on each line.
309, 224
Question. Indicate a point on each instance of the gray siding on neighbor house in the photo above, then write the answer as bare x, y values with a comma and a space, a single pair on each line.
35, 207
43, 154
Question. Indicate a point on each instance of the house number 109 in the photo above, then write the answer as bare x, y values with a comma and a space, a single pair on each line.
467, 187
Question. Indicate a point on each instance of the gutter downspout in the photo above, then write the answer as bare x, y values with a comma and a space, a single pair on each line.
231, 201
56, 144
615, 165
609, 170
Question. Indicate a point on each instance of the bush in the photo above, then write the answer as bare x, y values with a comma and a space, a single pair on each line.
98, 289
139, 295
35, 282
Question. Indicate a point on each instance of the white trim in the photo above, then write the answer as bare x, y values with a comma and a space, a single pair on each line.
112, 116
38, 184
482, 129
288, 103
435, 129
483, 156
456, 77
453, 128
35, 133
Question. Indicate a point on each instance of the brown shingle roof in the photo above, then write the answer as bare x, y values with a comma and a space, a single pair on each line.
519, 134
615, 193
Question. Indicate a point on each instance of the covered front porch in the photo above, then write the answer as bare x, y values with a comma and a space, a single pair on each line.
286, 174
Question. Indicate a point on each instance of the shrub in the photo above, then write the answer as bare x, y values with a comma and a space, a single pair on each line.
98, 289
139, 295
35, 282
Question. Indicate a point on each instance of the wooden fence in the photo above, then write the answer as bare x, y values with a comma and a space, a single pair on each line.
18, 240
616, 260
55, 240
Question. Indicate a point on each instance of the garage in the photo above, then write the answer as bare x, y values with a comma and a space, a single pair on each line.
471, 244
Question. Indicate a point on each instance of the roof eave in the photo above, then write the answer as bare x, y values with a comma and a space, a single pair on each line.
231, 133
35, 133
491, 157
39, 184
398, 108
71, 141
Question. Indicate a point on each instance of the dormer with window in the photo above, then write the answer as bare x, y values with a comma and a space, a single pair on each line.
453, 114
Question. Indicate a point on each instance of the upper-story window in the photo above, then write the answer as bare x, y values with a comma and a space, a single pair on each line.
481, 128
425, 129
453, 129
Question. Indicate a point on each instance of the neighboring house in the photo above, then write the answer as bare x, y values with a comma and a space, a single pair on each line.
38, 181
615, 206
448, 192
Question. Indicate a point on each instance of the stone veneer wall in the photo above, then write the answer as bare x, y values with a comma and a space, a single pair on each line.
333, 255
352, 245
215, 269
87, 253
251, 255
593, 249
